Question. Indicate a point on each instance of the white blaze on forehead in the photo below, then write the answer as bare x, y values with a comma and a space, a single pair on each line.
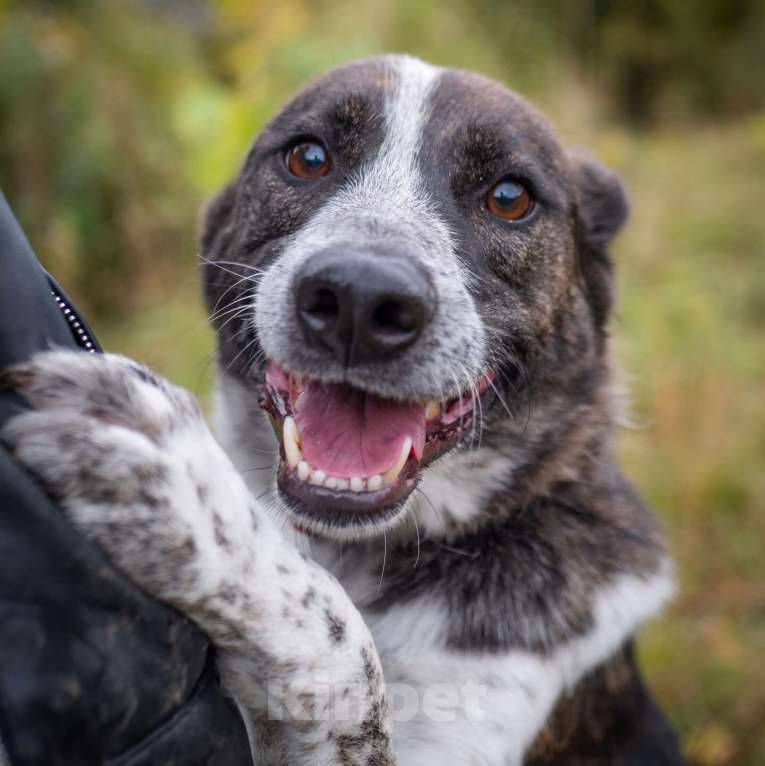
408, 106
389, 186
406, 112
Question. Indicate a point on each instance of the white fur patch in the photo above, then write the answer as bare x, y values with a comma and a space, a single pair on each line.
456, 488
520, 688
517, 690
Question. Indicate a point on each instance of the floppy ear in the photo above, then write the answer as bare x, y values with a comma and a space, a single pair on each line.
601, 209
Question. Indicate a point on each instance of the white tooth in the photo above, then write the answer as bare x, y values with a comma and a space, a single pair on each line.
291, 441
331, 482
357, 484
303, 470
392, 473
432, 409
317, 477
343, 484
374, 482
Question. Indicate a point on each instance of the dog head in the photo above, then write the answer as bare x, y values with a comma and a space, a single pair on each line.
406, 254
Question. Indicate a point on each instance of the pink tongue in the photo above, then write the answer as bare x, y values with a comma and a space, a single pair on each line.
345, 432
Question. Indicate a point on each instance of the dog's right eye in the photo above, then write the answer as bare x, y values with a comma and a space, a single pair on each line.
308, 160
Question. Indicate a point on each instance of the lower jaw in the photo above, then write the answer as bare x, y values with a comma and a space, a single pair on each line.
324, 511
345, 514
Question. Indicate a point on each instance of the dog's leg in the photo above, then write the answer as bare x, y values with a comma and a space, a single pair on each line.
132, 463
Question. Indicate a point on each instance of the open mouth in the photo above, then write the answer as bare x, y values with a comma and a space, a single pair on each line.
349, 457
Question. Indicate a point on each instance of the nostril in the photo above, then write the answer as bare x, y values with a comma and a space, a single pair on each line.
395, 317
318, 306
321, 304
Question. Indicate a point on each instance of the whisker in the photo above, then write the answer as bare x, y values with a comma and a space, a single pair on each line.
525, 387
239, 281
233, 263
233, 286
230, 309
457, 387
244, 349
257, 359
248, 295
417, 530
475, 405
501, 398
222, 264
430, 503
480, 413
385, 558
241, 311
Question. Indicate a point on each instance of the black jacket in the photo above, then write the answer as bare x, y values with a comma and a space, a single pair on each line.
91, 670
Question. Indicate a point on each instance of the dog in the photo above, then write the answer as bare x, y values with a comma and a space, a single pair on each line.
429, 552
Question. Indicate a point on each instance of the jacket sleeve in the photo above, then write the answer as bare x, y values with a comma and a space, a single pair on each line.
91, 670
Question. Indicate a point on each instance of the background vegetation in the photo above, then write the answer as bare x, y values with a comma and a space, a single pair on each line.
117, 118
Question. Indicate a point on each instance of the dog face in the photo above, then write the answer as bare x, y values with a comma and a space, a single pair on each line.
406, 251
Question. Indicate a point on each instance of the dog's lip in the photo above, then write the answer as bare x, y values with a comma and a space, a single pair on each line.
315, 497
312, 505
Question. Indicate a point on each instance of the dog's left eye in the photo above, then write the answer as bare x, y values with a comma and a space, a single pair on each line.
308, 160
509, 200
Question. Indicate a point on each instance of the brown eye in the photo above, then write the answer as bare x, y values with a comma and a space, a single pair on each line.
308, 160
509, 200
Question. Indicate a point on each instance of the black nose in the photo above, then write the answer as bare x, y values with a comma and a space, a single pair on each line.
362, 306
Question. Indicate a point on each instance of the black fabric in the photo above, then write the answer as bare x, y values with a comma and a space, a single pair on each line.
91, 670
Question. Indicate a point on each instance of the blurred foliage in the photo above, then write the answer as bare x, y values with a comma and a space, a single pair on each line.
663, 59
88, 153
118, 117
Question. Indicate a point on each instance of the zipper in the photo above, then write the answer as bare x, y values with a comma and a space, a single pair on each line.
79, 328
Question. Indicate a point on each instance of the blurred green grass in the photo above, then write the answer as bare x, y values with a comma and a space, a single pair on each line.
116, 125
691, 333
